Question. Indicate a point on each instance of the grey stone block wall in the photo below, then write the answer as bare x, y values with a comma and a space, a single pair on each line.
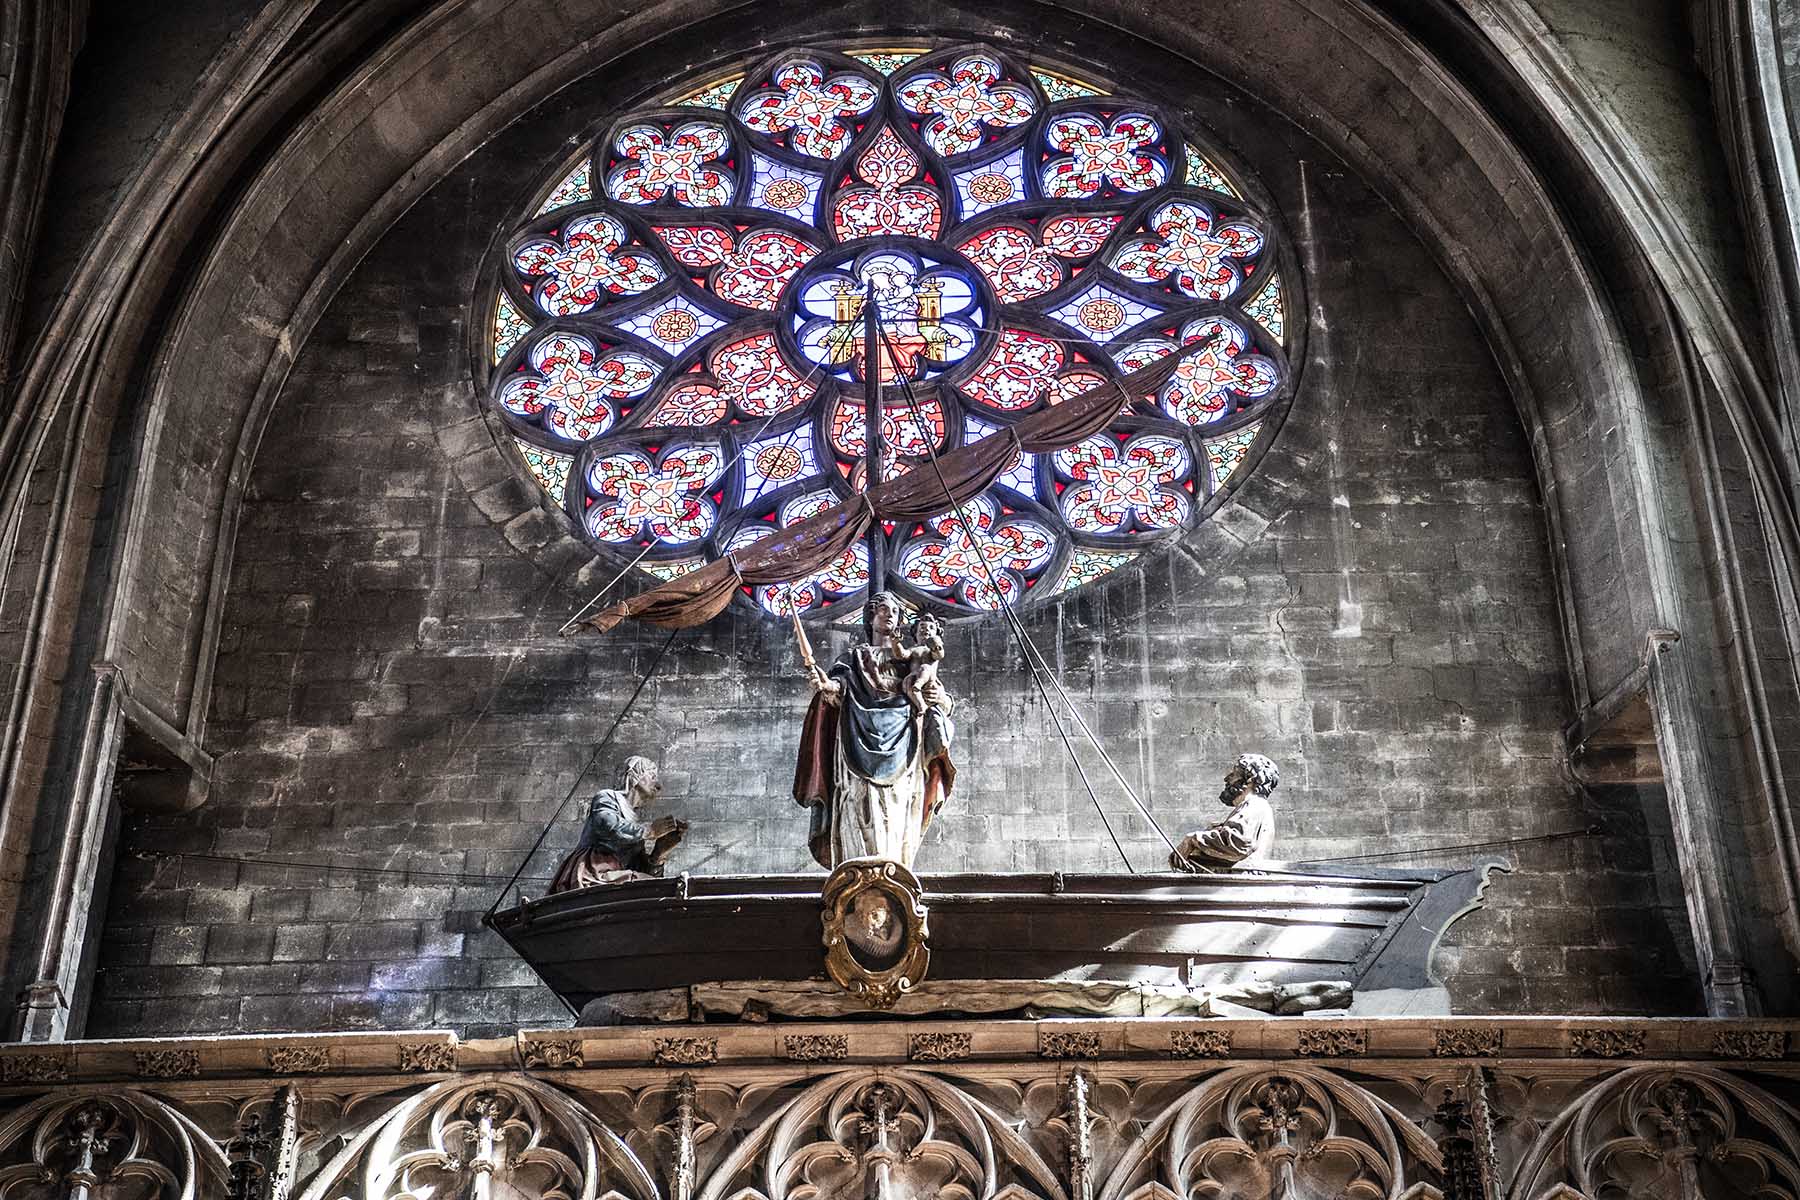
395, 718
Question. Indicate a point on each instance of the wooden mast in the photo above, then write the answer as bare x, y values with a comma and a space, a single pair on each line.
872, 433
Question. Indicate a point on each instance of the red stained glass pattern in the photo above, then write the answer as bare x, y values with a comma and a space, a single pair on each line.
663, 499
1118, 487
681, 166
755, 273
1190, 250
809, 110
573, 389
1022, 370
1094, 155
888, 205
904, 431
1013, 261
682, 360
963, 102
697, 245
1077, 236
753, 375
971, 554
692, 403
589, 265
1201, 391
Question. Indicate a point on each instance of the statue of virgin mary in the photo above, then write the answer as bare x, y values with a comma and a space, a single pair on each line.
874, 767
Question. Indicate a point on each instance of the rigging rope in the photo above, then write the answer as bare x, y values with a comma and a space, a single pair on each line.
327, 868
1032, 660
743, 448
1026, 644
585, 768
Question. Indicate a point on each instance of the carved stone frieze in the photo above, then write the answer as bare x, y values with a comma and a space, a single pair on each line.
1032, 1121
1750, 1043
1068, 1043
427, 1056
816, 1047
1465, 1042
166, 1064
1200, 1043
686, 1051
33, 1068
554, 1053
1331, 1041
939, 1046
298, 1060
1606, 1043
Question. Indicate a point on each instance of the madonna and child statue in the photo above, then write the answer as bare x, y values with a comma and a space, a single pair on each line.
874, 768
874, 764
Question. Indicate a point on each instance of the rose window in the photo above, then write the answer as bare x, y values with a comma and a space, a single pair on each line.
677, 334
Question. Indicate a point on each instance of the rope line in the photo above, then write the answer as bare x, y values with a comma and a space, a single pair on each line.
327, 868
599, 749
743, 446
1012, 620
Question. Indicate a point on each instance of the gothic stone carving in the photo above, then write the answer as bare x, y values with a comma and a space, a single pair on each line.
686, 1051
553, 1053
298, 1060
166, 1064
1606, 1043
1200, 1043
1324, 1041
816, 1047
1141, 1128
1465, 1042
1750, 1043
939, 1046
33, 1068
1068, 1043
427, 1056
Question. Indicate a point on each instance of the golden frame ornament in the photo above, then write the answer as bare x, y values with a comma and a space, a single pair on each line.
875, 933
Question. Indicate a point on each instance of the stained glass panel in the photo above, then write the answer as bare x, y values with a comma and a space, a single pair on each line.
575, 188
684, 361
1269, 310
1224, 454
549, 468
509, 326
1202, 173
1059, 88
713, 95
885, 61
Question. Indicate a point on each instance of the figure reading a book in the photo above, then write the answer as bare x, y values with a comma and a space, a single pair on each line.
875, 764
616, 846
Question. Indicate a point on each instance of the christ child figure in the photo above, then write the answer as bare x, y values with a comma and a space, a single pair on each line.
921, 659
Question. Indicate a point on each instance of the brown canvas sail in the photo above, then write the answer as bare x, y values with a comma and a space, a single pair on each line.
959, 476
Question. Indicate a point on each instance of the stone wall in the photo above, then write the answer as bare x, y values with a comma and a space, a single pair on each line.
395, 718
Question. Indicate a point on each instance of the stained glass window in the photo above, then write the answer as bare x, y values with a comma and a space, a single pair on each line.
677, 323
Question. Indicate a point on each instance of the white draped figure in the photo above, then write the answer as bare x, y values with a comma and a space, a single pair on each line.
874, 765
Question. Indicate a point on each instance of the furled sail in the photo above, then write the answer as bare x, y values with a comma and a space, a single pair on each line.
960, 475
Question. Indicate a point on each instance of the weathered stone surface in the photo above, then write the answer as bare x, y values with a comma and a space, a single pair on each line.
1376, 610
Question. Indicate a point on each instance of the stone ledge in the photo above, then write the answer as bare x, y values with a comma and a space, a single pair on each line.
1619, 1040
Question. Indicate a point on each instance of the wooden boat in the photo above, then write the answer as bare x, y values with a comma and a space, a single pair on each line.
1375, 929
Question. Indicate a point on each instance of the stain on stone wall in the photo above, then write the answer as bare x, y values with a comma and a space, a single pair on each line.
395, 718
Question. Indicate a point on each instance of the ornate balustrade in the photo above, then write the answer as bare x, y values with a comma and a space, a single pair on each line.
1495, 1109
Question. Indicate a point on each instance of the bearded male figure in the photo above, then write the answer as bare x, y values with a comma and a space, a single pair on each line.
873, 769
1247, 834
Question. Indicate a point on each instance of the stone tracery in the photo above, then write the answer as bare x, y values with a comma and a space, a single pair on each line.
1027, 236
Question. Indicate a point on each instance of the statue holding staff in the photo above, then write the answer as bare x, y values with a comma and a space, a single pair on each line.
873, 766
